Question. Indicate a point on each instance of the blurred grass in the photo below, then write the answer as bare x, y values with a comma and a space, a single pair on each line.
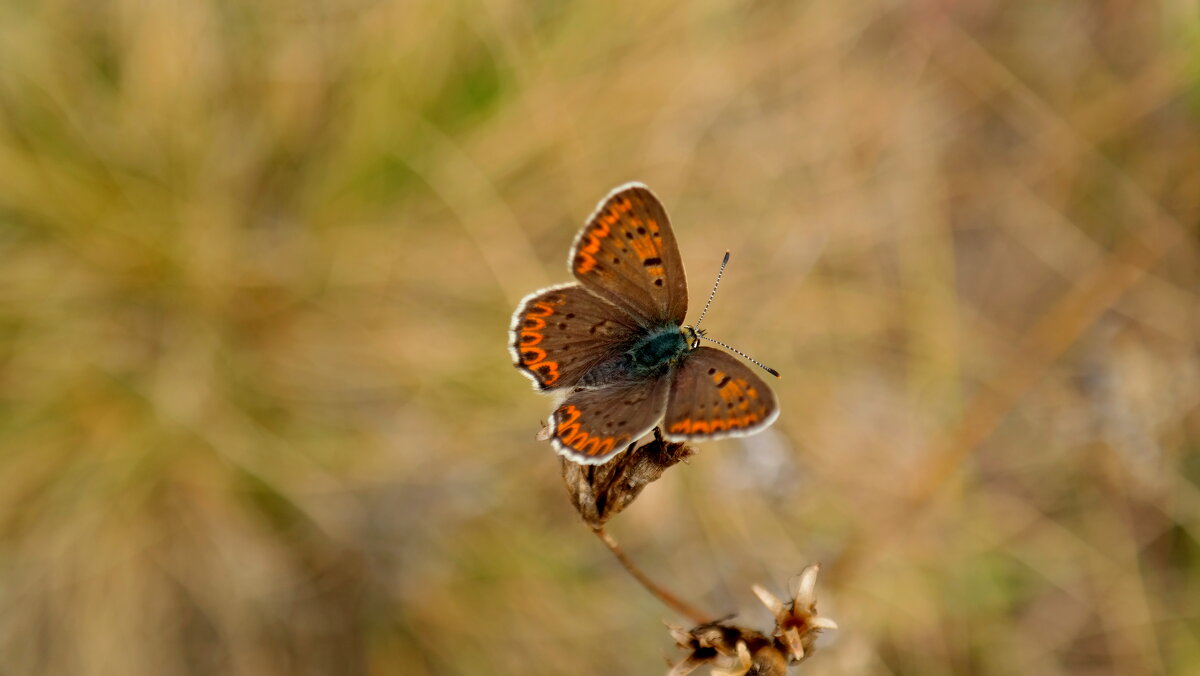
256, 413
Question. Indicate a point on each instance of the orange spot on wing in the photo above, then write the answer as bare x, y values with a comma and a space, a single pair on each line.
699, 427
569, 428
572, 436
644, 247
548, 369
538, 354
586, 254
534, 358
598, 445
732, 389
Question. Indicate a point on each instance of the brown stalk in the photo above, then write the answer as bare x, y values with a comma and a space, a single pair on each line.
668, 599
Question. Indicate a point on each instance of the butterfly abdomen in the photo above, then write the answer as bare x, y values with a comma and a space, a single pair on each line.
645, 358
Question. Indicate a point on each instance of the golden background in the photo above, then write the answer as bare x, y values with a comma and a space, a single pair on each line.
257, 415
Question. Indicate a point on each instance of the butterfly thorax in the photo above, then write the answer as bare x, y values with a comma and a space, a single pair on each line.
658, 350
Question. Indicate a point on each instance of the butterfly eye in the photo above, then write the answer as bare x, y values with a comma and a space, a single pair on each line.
691, 336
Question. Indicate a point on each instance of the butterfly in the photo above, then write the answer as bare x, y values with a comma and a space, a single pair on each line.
613, 347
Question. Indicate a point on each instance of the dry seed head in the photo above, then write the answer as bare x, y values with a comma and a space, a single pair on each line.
736, 651
797, 624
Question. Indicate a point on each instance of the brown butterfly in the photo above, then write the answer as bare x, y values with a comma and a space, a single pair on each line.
614, 347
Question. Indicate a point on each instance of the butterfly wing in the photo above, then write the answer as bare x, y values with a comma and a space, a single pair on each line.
627, 254
713, 395
591, 426
560, 332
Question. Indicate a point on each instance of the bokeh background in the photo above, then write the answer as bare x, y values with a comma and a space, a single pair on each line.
258, 260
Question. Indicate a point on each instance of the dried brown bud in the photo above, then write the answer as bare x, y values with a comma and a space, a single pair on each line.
599, 492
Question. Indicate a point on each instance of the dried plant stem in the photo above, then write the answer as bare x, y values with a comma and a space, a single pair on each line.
668, 599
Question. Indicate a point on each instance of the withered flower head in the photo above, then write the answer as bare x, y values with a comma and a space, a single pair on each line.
705, 644
797, 624
736, 651
599, 492
729, 649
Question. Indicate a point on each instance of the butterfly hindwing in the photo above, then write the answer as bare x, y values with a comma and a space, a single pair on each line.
627, 253
714, 395
557, 334
591, 426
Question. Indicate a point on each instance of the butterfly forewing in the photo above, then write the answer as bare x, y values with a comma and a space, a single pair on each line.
593, 425
627, 253
714, 395
558, 334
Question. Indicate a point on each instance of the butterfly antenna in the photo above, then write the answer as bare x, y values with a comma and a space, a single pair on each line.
741, 354
713, 292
